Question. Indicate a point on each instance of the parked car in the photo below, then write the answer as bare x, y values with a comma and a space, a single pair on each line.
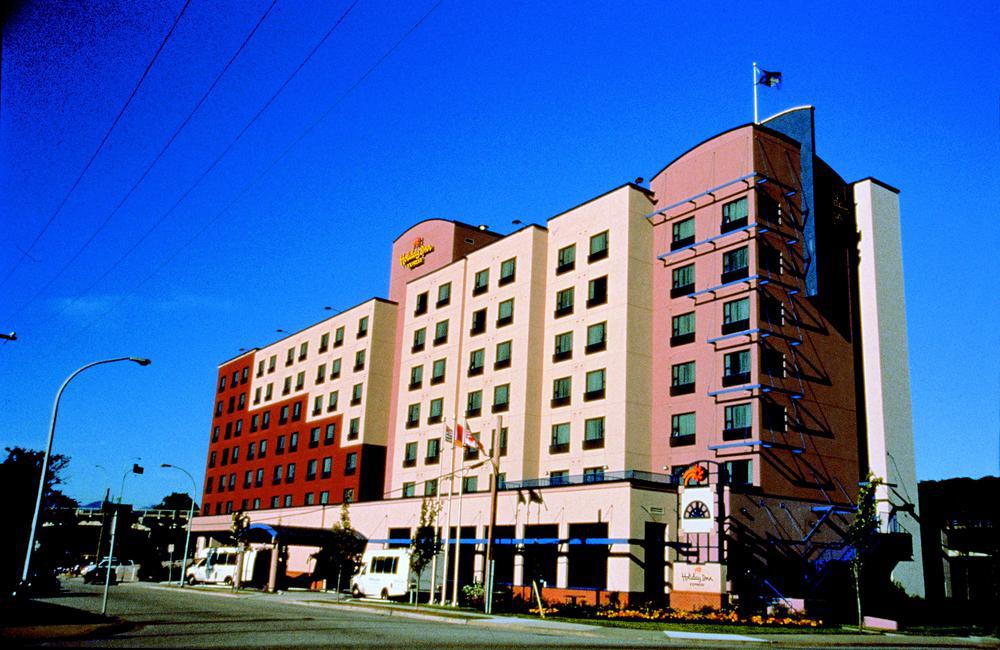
99, 575
124, 570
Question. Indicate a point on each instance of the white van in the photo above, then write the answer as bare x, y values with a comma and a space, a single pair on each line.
387, 574
217, 565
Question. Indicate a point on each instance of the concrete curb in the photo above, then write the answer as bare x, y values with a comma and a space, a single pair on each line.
41, 633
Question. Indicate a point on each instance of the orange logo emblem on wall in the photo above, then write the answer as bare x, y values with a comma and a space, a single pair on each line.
694, 474
415, 256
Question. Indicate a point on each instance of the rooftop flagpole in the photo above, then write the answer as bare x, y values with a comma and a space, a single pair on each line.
755, 92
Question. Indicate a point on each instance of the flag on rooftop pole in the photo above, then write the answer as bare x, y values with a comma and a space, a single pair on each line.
762, 77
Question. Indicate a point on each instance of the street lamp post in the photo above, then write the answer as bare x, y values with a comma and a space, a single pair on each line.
187, 537
136, 469
48, 451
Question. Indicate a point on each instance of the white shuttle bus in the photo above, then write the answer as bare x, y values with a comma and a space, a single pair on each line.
217, 565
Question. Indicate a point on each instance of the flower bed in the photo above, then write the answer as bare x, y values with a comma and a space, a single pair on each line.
668, 615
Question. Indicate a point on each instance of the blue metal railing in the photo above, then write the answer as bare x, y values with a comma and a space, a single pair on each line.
588, 479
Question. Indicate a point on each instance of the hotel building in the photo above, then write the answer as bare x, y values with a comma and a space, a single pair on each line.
683, 385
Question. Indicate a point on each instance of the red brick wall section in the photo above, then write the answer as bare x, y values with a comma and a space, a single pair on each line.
691, 601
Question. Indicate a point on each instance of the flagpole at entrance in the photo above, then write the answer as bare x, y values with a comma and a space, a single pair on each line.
755, 92
458, 529
447, 527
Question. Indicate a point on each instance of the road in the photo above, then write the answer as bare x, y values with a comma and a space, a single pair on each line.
162, 617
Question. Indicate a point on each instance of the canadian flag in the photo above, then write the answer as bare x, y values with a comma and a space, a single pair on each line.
463, 437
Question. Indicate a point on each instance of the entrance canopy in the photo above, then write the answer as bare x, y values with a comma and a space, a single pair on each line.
288, 535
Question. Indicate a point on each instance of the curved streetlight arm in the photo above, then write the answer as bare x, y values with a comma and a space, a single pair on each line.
187, 536
48, 450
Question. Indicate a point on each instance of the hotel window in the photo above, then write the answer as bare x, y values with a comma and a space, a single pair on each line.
409, 489
433, 451
256, 504
222, 484
243, 375
232, 481
275, 501
502, 440
771, 310
310, 499
478, 322
738, 422
477, 358
470, 484
736, 472
564, 302
413, 416
272, 363
324, 498
290, 356
254, 421
359, 360
501, 398
215, 433
290, 473
444, 294
278, 472
293, 442
597, 337
211, 459
481, 283
441, 333
251, 450
222, 383
300, 380
332, 399
296, 411
356, 394
773, 362
229, 430
560, 438
330, 434
474, 403
682, 429
354, 429
248, 479
598, 247
593, 433
595, 385
559, 477
314, 437
321, 373
769, 258
232, 404
562, 391
351, 463
218, 408
775, 417
593, 474
362, 327
436, 410
338, 337
260, 368
472, 450
265, 421
287, 386
566, 259
317, 405
734, 214
259, 478
682, 378
682, 233
735, 316
269, 392
563, 347
416, 377
263, 449
682, 281
410, 455
508, 270
335, 369
327, 467
238, 428
505, 313
503, 355
280, 447
288, 501
421, 306
256, 395
682, 329
736, 368
431, 488
324, 342
735, 264
437, 371
303, 350
597, 291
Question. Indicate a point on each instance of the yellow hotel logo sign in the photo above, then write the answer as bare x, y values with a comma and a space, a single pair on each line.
415, 256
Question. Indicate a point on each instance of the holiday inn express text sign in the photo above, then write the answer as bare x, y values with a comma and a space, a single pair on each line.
414, 257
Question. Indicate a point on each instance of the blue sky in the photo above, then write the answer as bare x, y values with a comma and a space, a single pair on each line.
485, 113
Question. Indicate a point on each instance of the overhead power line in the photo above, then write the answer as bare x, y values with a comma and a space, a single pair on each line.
246, 188
100, 146
138, 182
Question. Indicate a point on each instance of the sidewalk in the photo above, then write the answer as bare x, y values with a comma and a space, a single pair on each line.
32, 620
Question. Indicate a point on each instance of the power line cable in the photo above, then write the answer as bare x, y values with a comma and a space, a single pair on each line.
135, 186
97, 151
246, 188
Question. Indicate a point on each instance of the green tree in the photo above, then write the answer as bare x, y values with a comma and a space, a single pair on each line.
424, 545
19, 474
862, 532
338, 559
